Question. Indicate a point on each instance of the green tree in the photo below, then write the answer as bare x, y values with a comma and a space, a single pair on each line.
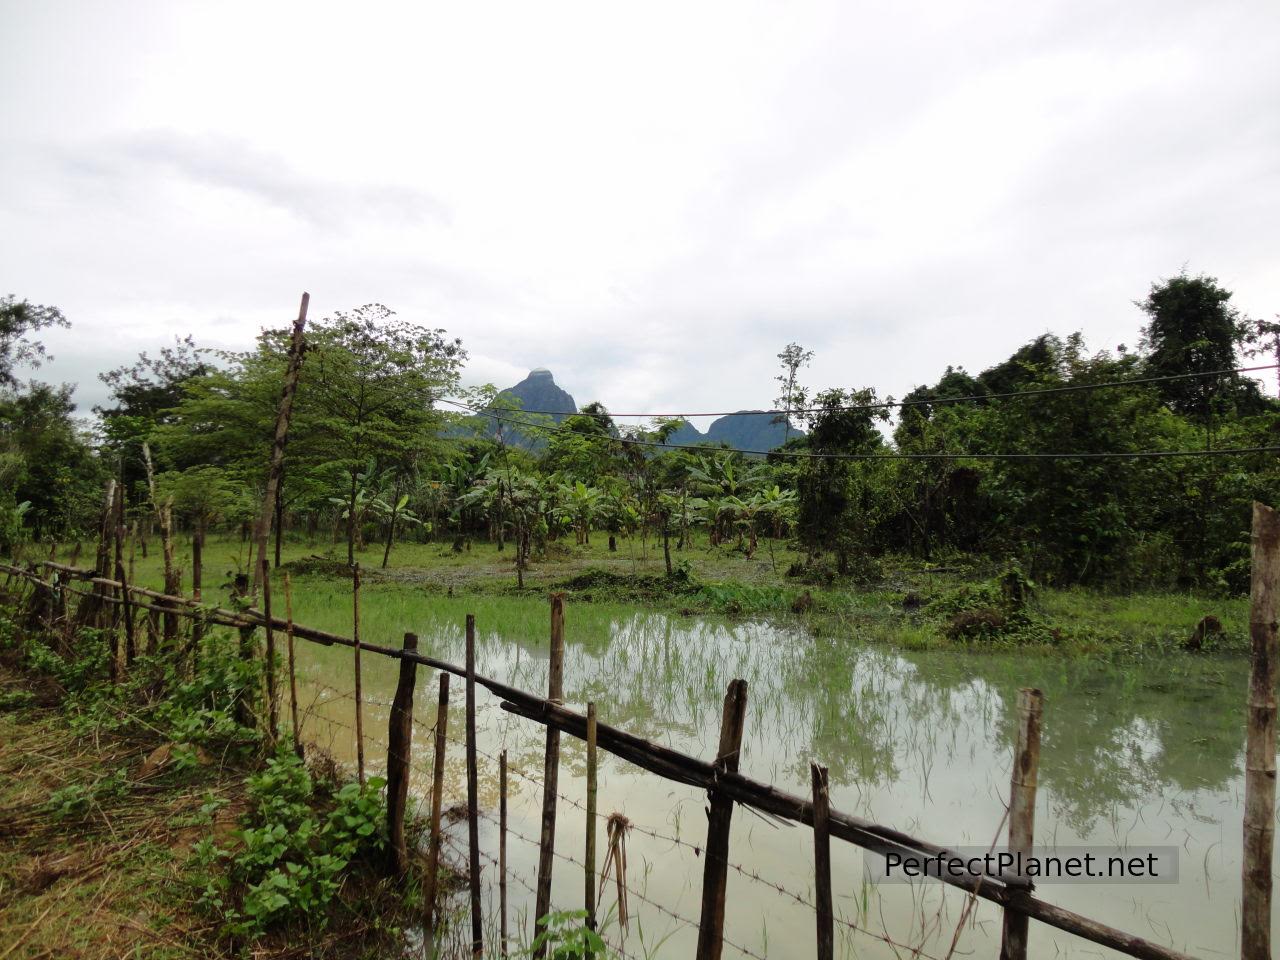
18, 320
368, 390
1194, 328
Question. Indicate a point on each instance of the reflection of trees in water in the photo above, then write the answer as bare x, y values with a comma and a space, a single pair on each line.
1117, 736
1114, 736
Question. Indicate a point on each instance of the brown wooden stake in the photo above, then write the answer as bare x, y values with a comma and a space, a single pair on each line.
106, 533
431, 882
719, 817
1260, 748
245, 710
399, 754
297, 349
550, 768
1022, 814
589, 865
197, 593
822, 861
355, 636
473, 794
293, 677
502, 853
273, 708
164, 516
126, 610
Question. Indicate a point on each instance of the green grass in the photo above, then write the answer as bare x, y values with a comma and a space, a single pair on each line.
720, 581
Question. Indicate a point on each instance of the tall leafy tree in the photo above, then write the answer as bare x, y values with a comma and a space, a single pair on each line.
1194, 328
368, 390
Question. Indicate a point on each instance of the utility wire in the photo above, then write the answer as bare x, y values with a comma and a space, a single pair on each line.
808, 455
889, 404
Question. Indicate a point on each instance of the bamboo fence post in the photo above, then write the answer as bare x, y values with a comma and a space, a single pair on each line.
822, 861
164, 516
551, 769
1022, 814
473, 795
1260, 749
399, 754
297, 350
355, 636
293, 677
244, 706
273, 714
106, 531
719, 817
197, 593
502, 852
589, 864
437, 789
126, 611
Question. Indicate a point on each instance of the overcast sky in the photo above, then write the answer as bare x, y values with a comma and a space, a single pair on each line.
650, 199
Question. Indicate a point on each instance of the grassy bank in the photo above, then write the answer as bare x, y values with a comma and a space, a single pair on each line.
144, 819
896, 600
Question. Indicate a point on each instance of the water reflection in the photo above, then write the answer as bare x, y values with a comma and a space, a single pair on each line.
922, 741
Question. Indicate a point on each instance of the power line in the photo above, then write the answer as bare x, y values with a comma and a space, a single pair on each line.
890, 404
809, 455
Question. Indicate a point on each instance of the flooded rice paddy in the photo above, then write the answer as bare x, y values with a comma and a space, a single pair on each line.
1137, 755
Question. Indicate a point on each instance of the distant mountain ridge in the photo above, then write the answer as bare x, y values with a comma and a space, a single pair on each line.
744, 430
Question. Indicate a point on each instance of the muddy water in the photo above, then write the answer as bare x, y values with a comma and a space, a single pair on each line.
921, 741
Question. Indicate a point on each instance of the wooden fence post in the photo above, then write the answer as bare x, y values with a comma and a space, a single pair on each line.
275, 470
1022, 814
293, 677
716, 862
822, 861
550, 769
245, 713
125, 610
502, 852
437, 789
589, 864
197, 593
1260, 748
399, 754
273, 715
355, 649
473, 794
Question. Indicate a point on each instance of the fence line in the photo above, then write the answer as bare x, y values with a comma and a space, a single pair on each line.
724, 785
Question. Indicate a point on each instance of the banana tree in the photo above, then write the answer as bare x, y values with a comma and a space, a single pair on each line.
580, 505
393, 513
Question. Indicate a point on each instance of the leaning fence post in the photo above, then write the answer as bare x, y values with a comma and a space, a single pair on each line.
355, 636
589, 865
1022, 814
273, 715
399, 752
473, 794
437, 789
716, 862
1260, 749
550, 769
293, 677
822, 861
502, 852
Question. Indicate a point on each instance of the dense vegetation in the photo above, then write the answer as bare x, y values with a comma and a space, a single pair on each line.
373, 456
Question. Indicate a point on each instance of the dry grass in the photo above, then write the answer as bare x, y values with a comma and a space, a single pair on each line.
105, 883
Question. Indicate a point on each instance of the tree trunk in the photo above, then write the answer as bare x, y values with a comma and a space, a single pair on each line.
279, 520
351, 522
391, 532
666, 547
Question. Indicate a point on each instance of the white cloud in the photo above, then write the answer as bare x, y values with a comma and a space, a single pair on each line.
650, 200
